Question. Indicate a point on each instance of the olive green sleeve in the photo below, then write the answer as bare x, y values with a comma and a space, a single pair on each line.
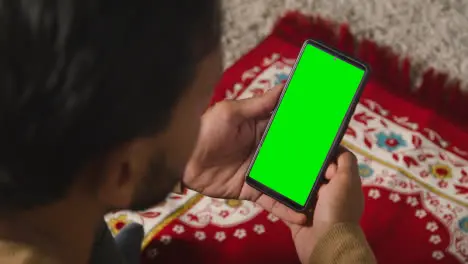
343, 244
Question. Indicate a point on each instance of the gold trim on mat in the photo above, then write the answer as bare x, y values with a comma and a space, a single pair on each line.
197, 197
178, 212
403, 172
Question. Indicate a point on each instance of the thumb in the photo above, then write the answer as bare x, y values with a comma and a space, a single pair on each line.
346, 162
260, 106
347, 167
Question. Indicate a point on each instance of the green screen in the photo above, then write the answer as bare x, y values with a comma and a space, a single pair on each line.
306, 124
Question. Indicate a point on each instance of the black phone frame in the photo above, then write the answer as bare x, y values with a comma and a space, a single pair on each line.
311, 199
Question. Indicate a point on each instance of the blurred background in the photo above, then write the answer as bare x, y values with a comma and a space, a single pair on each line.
433, 33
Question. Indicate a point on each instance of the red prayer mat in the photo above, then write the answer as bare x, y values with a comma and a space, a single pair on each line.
413, 160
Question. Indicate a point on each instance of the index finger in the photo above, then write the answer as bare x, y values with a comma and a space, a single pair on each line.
259, 106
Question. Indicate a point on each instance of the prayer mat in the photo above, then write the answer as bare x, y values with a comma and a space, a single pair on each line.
411, 143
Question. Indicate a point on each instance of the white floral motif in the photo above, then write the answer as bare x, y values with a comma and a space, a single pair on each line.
435, 136
270, 60
432, 226
152, 253
220, 236
259, 229
421, 213
178, 229
394, 197
238, 87
404, 121
272, 218
438, 254
200, 235
375, 106
250, 74
374, 193
412, 201
435, 239
165, 239
240, 233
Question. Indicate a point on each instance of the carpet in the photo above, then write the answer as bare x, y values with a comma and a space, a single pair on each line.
432, 33
413, 161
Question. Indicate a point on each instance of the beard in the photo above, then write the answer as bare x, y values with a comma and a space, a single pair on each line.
156, 185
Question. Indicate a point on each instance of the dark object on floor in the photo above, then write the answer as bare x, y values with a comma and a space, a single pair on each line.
125, 248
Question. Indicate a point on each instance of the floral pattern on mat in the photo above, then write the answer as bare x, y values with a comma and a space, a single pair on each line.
415, 184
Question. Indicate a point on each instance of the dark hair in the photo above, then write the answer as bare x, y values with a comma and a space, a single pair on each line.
80, 77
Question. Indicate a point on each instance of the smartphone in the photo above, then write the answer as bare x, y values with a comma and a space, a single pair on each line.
307, 125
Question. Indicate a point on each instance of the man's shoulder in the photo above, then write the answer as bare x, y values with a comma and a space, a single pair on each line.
15, 253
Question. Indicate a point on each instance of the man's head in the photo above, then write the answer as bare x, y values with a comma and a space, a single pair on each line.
101, 98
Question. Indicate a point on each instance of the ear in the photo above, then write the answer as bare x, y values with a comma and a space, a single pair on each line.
123, 169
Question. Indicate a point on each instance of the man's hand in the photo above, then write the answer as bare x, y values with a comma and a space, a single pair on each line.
229, 135
339, 201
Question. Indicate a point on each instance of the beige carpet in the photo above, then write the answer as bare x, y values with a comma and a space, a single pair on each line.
434, 33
